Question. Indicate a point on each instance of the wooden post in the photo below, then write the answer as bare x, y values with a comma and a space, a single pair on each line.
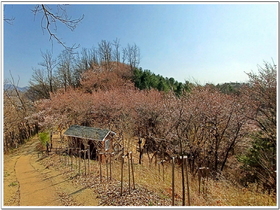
159, 170
100, 168
80, 161
188, 188
107, 168
80, 143
68, 156
173, 181
128, 164
132, 170
162, 163
122, 174
51, 140
183, 182
71, 158
88, 160
65, 158
59, 154
110, 162
85, 161
76, 156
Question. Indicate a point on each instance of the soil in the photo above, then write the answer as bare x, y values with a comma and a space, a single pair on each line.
27, 182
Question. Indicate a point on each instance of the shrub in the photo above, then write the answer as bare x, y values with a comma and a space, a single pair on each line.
44, 138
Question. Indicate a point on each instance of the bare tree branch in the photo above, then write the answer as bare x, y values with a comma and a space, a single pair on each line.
50, 19
9, 20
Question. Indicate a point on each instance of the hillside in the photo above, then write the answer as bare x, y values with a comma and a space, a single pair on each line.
226, 132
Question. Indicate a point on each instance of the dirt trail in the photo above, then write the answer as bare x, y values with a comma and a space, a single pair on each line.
34, 191
28, 183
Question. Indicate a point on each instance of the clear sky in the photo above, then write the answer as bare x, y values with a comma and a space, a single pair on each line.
205, 42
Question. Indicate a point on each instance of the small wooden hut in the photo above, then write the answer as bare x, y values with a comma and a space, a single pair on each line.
84, 138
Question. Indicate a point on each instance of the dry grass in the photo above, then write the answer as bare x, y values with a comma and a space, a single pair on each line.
217, 193
150, 179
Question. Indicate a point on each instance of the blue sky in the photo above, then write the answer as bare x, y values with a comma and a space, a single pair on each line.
205, 43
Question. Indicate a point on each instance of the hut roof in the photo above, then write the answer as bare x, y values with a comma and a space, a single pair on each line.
85, 132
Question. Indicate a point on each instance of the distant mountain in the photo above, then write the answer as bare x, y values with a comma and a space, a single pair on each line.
11, 87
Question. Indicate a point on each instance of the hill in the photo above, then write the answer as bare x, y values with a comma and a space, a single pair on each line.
12, 87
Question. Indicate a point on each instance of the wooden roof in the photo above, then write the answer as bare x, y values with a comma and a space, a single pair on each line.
89, 133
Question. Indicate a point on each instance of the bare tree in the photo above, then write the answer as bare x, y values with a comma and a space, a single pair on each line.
116, 53
49, 63
38, 85
132, 54
17, 128
105, 53
65, 70
43, 80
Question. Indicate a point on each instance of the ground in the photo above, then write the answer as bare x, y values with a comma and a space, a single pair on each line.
32, 178
37, 179
29, 183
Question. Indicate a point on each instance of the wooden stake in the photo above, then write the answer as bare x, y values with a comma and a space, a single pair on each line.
183, 183
100, 168
76, 155
68, 154
122, 174
173, 181
71, 158
107, 169
162, 162
188, 188
159, 170
80, 161
65, 159
110, 162
128, 163
132, 170
88, 160
85, 161
80, 158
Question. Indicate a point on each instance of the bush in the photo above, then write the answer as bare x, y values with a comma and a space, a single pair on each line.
44, 138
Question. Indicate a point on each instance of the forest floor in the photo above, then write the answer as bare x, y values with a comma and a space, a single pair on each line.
36, 179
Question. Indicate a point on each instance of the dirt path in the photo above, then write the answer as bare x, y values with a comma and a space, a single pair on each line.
34, 190
28, 183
